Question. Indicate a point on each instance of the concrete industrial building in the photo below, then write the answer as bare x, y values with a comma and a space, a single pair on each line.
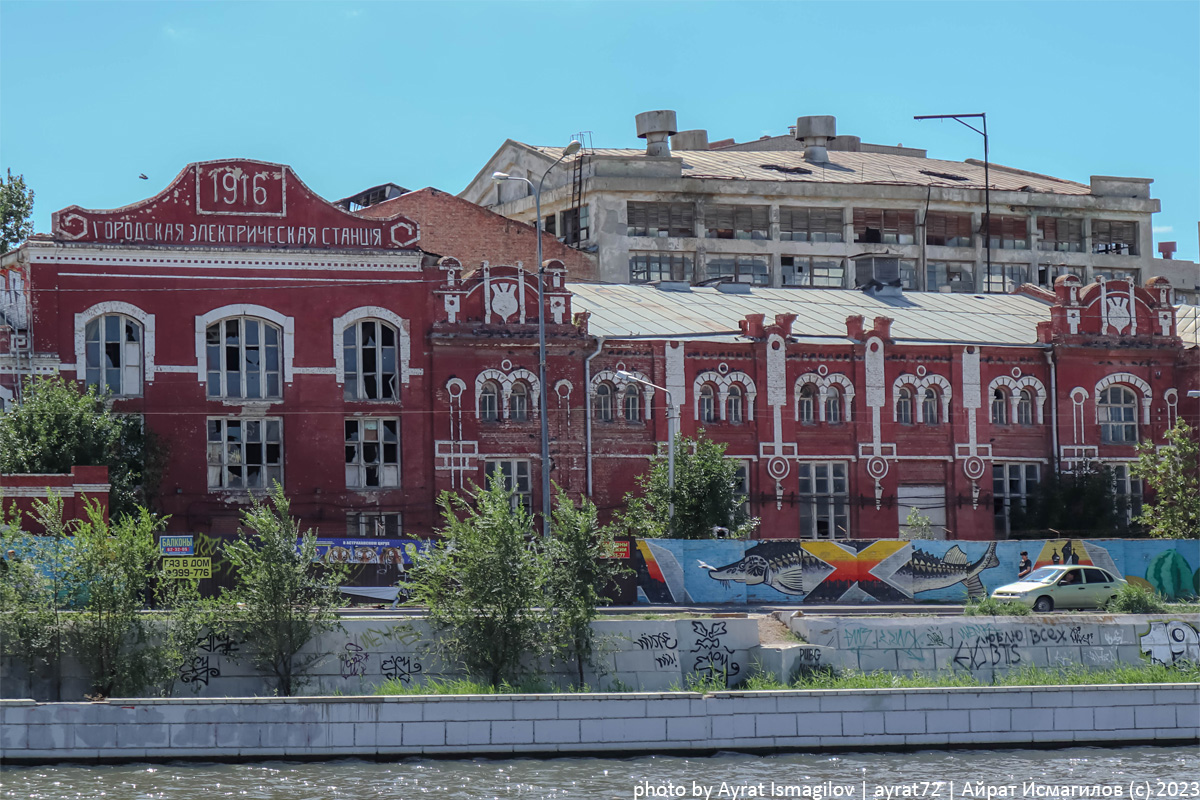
821, 210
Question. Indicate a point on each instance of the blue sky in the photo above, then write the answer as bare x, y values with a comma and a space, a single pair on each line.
353, 94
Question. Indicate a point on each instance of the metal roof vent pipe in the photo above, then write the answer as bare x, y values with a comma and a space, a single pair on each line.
655, 127
813, 134
690, 140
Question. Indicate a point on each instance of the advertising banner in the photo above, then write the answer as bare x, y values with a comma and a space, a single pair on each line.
175, 545
368, 551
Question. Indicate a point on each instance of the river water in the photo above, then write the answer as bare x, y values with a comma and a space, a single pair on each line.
1127, 773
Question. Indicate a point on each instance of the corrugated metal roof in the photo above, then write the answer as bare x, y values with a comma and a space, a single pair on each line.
849, 167
706, 313
1187, 322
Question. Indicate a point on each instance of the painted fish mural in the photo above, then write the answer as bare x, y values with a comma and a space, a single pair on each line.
926, 572
785, 567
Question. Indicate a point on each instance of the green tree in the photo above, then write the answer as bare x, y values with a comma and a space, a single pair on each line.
110, 634
16, 208
705, 495
58, 425
580, 551
1173, 472
1080, 501
918, 525
484, 584
280, 600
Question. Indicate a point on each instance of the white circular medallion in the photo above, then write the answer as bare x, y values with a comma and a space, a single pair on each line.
506, 365
822, 370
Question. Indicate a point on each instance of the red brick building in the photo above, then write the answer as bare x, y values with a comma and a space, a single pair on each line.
371, 360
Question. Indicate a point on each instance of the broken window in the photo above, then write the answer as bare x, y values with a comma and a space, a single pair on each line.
245, 453
737, 222
1060, 234
647, 267
949, 276
575, 225
113, 354
908, 274
812, 271
373, 525
369, 349
1012, 486
513, 475
243, 358
372, 453
824, 500
661, 219
742, 269
1004, 278
880, 226
1114, 238
550, 224
944, 229
810, 224
1007, 233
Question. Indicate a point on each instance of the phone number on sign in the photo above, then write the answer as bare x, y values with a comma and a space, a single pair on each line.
187, 568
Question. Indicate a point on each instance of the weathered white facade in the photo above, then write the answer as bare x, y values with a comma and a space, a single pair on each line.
742, 211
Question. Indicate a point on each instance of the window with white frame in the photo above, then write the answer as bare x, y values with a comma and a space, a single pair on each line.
372, 371
708, 403
931, 405
1012, 485
735, 405
833, 406
1025, 407
244, 453
602, 402
113, 354
1117, 407
1000, 406
373, 525
1127, 491
372, 453
513, 473
633, 404
489, 402
807, 404
904, 406
518, 402
824, 500
243, 358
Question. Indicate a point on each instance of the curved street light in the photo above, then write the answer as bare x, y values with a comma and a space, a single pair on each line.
570, 150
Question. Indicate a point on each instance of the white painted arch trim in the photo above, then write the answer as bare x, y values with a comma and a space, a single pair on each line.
506, 381
403, 345
145, 319
620, 383
286, 324
1128, 379
919, 385
1014, 386
723, 382
823, 384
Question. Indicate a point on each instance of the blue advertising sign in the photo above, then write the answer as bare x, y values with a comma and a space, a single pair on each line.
175, 545
368, 551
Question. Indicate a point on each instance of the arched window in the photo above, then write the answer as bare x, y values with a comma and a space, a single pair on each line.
904, 406
735, 405
243, 358
833, 406
518, 402
604, 402
113, 348
371, 365
633, 408
489, 402
931, 403
807, 403
708, 404
1025, 408
1118, 415
999, 407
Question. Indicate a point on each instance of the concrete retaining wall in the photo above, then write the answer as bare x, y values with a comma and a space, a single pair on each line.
985, 646
563, 724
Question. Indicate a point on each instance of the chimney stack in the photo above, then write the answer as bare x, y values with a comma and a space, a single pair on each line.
655, 127
1167, 250
813, 134
690, 140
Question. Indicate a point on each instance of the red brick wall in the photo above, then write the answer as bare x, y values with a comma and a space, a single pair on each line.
76, 490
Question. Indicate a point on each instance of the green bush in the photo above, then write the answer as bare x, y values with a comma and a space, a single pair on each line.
987, 607
1131, 599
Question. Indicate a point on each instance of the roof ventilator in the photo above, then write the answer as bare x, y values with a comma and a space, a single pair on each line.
878, 275
655, 127
813, 134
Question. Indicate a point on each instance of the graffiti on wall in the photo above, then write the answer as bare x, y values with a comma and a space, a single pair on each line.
863, 571
1171, 643
713, 660
206, 664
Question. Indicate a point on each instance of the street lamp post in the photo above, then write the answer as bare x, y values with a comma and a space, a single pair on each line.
569, 150
987, 184
671, 422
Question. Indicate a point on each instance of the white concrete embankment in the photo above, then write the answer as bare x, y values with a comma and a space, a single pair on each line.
578, 724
